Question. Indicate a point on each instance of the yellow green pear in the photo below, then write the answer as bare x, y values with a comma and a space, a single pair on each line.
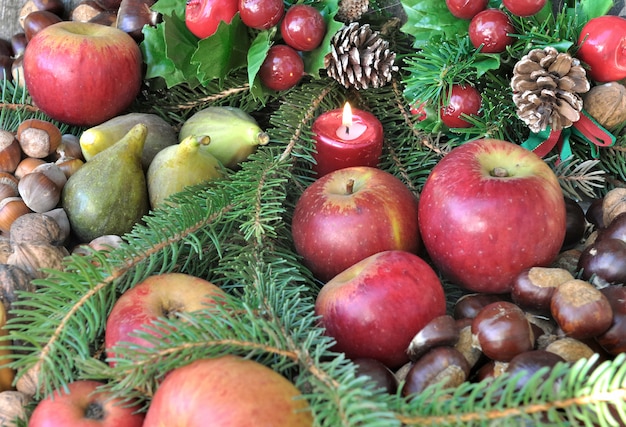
109, 193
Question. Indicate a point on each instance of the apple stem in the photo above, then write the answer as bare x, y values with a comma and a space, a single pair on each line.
499, 172
350, 186
94, 411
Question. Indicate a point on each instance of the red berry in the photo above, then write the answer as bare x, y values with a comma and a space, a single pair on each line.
303, 27
466, 9
463, 100
491, 28
261, 14
524, 7
202, 17
282, 68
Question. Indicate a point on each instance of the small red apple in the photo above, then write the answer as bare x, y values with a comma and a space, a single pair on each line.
83, 405
489, 210
202, 17
161, 295
350, 214
374, 308
602, 46
227, 391
82, 73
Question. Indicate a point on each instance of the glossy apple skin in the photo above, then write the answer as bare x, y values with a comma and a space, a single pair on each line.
202, 17
227, 391
82, 73
602, 46
69, 409
374, 308
480, 230
157, 296
334, 228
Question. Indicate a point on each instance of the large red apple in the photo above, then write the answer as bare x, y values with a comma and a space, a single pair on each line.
374, 308
82, 405
161, 295
602, 46
82, 73
350, 214
488, 210
227, 391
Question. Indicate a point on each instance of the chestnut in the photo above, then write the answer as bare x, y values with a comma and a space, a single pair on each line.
575, 224
533, 287
85, 10
133, 15
567, 260
502, 331
53, 6
440, 331
468, 305
464, 344
593, 214
37, 21
581, 310
613, 340
6, 67
444, 365
490, 370
604, 262
18, 43
109, 4
378, 373
530, 362
570, 349
6, 49
106, 17
616, 229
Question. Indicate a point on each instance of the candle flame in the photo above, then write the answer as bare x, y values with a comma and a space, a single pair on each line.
346, 118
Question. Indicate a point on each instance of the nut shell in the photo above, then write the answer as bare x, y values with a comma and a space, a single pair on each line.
606, 103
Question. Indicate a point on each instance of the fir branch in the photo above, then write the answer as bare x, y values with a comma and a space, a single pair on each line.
579, 178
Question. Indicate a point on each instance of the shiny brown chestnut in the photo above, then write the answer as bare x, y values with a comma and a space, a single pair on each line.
55, 7
85, 10
106, 17
6, 67
502, 331
581, 310
37, 21
133, 15
575, 224
18, 43
615, 230
465, 343
533, 287
530, 362
379, 374
613, 340
444, 365
440, 331
109, 4
6, 49
468, 305
604, 262
593, 214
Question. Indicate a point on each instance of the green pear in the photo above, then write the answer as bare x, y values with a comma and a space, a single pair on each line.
109, 194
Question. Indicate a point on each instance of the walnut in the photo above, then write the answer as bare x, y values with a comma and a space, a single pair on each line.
607, 104
36, 228
613, 204
32, 258
12, 406
13, 279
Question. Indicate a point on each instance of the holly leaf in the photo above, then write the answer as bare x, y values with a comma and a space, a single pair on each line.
222, 52
258, 52
170, 7
430, 19
314, 60
167, 50
486, 62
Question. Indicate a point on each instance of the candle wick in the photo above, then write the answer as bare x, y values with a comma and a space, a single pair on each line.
347, 130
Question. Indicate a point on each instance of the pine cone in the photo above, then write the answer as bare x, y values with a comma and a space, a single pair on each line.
360, 57
546, 86
351, 10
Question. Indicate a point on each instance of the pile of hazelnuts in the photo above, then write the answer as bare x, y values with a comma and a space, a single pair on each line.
129, 16
571, 310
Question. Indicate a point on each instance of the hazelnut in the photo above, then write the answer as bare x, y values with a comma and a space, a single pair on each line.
10, 152
38, 138
11, 208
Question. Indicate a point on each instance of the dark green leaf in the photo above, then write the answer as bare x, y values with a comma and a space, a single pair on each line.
180, 46
428, 19
257, 53
170, 7
314, 60
222, 52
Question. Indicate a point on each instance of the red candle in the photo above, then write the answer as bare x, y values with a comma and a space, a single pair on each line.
345, 138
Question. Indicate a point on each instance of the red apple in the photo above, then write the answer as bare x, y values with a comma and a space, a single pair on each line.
161, 295
602, 46
350, 214
374, 308
82, 73
489, 210
227, 391
84, 406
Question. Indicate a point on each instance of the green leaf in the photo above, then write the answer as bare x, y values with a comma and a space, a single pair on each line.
486, 62
180, 46
257, 53
222, 52
314, 60
429, 19
594, 8
170, 7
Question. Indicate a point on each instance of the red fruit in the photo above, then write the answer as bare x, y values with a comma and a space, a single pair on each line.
303, 27
202, 17
602, 46
261, 14
282, 68
524, 7
491, 28
463, 100
466, 9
